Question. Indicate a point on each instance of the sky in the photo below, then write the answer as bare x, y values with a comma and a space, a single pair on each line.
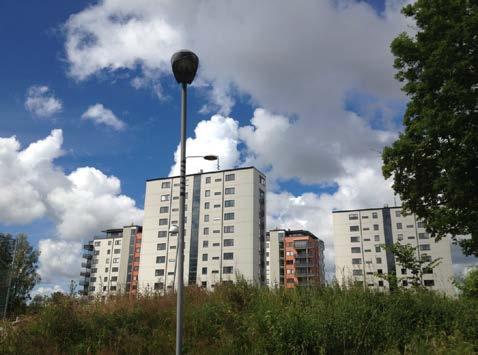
89, 110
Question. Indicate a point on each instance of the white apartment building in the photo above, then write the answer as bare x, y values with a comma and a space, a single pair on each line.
358, 235
112, 261
224, 229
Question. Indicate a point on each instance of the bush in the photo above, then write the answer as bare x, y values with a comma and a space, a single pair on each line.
243, 318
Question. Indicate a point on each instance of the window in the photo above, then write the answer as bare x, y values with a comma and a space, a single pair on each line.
94, 270
366, 228
229, 216
422, 236
356, 261
227, 270
205, 243
174, 209
117, 251
97, 252
230, 177
357, 272
400, 236
204, 271
217, 206
229, 191
425, 247
158, 286
411, 237
163, 221
374, 215
355, 250
376, 238
380, 283
115, 260
420, 224
399, 226
364, 217
166, 185
97, 244
228, 256
366, 239
216, 245
117, 242
206, 205
377, 249
398, 214
403, 271
262, 180
217, 193
215, 272
289, 262
112, 288
164, 209
218, 180
427, 270
106, 269
426, 258
114, 269
379, 271
175, 197
109, 242
205, 231
162, 234
114, 278
405, 283
105, 279
354, 228
354, 239
208, 180
367, 250
160, 259
229, 203
164, 197
429, 282
206, 218
228, 242
228, 229
378, 260
207, 193
204, 257
353, 216
215, 231
375, 227
172, 247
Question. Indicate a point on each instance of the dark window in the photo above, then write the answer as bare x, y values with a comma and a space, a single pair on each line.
205, 231
114, 269
228, 256
160, 259
357, 272
354, 239
377, 248
228, 242
375, 227
230, 177
161, 246
429, 282
425, 247
405, 283
229, 191
166, 185
229, 203
163, 221
204, 270
164, 209
380, 283
158, 286
356, 261
353, 216
399, 226
379, 271
228, 216
227, 270
208, 180
355, 250
205, 243
162, 234
204, 257
378, 260
374, 215
206, 205
228, 229
354, 228
207, 193
159, 272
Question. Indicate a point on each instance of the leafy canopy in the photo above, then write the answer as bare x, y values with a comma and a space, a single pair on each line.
434, 162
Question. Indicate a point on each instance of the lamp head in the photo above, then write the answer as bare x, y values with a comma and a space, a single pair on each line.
211, 157
173, 229
185, 65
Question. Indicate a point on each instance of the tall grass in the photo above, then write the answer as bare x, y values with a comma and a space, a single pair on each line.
244, 319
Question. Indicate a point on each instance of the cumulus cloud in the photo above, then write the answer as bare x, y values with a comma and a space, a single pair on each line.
41, 102
217, 136
46, 290
81, 203
101, 115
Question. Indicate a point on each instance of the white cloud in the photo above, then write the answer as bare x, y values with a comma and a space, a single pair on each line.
217, 136
41, 102
81, 203
101, 115
46, 290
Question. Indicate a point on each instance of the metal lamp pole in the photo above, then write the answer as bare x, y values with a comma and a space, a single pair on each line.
184, 64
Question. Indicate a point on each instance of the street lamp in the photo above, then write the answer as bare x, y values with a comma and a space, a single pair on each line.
184, 64
210, 157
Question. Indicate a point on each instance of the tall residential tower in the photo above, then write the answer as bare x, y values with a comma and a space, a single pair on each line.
359, 257
224, 229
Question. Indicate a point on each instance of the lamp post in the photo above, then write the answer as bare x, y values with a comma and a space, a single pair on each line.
184, 64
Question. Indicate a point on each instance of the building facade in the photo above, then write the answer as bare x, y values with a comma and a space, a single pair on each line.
359, 257
111, 262
294, 258
224, 229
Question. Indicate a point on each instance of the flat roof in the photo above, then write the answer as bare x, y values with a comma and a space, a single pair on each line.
366, 209
208, 172
296, 231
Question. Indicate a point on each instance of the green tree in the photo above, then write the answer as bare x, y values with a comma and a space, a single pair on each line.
407, 258
469, 285
22, 274
434, 162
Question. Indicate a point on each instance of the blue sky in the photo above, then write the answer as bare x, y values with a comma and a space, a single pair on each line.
317, 134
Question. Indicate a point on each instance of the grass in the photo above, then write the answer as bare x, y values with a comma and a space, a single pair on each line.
244, 319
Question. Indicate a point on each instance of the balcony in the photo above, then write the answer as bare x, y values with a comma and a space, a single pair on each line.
87, 256
84, 282
88, 247
86, 265
303, 256
85, 273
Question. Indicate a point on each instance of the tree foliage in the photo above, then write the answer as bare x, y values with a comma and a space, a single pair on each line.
434, 162
23, 274
469, 285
